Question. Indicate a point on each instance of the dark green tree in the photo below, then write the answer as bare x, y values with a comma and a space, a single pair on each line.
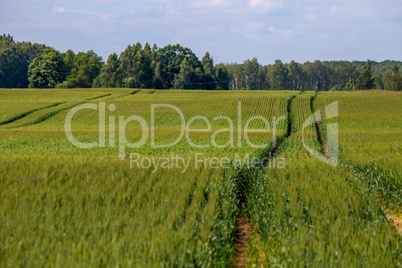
143, 72
159, 83
86, 68
69, 58
171, 58
278, 76
110, 75
296, 75
222, 77
393, 79
207, 75
47, 70
208, 63
365, 80
15, 58
184, 79
251, 68
346, 75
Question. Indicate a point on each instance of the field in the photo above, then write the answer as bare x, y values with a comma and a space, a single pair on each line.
132, 201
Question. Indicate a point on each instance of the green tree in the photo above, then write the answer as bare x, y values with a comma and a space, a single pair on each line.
295, 76
159, 83
15, 58
393, 79
69, 58
184, 79
110, 76
208, 63
47, 70
207, 76
365, 80
86, 68
278, 76
171, 58
346, 75
222, 77
251, 68
143, 72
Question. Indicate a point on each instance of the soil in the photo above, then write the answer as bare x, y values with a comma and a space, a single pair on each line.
396, 220
241, 244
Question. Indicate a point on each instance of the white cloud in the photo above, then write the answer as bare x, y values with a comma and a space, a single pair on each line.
308, 27
338, 11
258, 30
311, 17
265, 5
282, 33
250, 27
212, 3
93, 15
59, 10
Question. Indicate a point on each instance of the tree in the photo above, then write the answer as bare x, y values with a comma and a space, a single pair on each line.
207, 77
346, 75
142, 69
159, 83
365, 80
278, 76
47, 70
110, 76
15, 58
251, 68
295, 76
171, 58
222, 77
184, 78
393, 79
86, 68
208, 63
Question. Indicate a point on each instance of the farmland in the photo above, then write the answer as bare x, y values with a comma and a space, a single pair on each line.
61, 205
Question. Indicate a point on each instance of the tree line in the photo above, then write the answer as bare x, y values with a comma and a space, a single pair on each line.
316, 76
23, 64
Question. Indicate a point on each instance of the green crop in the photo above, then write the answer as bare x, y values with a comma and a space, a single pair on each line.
65, 206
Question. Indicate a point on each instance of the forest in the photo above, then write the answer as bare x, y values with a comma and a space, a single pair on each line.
27, 65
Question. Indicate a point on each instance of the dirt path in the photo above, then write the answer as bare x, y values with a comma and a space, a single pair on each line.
241, 244
244, 232
396, 220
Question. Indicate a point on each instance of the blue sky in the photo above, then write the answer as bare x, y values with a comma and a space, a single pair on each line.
231, 30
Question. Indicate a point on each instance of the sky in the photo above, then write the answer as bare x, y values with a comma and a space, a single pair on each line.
232, 31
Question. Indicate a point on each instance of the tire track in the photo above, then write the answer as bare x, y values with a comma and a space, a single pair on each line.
55, 112
242, 180
22, 115
385, 184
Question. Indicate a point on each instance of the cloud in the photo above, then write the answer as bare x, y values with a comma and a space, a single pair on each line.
213, 3
265, 5
59, 10
338, 11
303, 29
251, 29
94, 15
311, 17
258, 30
283, 33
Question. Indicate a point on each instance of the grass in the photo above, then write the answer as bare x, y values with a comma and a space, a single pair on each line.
92, 212
66, 206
